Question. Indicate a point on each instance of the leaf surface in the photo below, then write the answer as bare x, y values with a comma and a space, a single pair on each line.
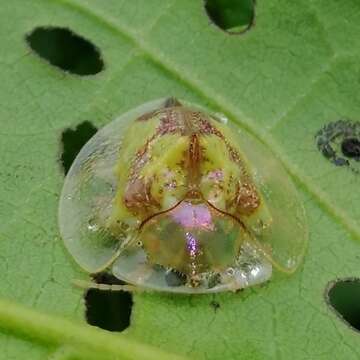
294, 71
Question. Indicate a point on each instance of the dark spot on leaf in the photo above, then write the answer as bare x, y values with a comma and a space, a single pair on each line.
109, 310
340, 161
72, 142
175, 278
351, 148
343, 296
63, 48
233, 16
339, 142
215, 305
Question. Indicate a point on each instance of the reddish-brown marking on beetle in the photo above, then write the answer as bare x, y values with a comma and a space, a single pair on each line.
194, 160
193, 124
138, 197
168, 124
247, 199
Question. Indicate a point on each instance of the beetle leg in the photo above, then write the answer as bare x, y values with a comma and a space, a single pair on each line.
83, 284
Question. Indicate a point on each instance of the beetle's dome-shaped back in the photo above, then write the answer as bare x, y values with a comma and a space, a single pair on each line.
134, 179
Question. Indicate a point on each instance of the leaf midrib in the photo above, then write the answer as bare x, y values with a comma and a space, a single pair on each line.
89, 342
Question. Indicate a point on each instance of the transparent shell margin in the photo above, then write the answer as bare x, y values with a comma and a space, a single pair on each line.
85, 198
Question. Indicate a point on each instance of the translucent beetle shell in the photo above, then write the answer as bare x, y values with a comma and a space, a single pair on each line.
170, 198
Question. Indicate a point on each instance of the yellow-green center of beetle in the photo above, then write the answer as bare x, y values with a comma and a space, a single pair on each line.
170, 198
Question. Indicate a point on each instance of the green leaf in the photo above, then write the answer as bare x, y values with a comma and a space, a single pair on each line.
293, 72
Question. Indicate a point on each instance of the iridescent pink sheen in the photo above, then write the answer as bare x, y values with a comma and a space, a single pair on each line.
216, 175
191, 244
193, 216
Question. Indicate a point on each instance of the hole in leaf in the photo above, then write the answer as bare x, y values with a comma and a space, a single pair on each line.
66, 50
344, 298
233, 16
339, 142
109, 310
72, 142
